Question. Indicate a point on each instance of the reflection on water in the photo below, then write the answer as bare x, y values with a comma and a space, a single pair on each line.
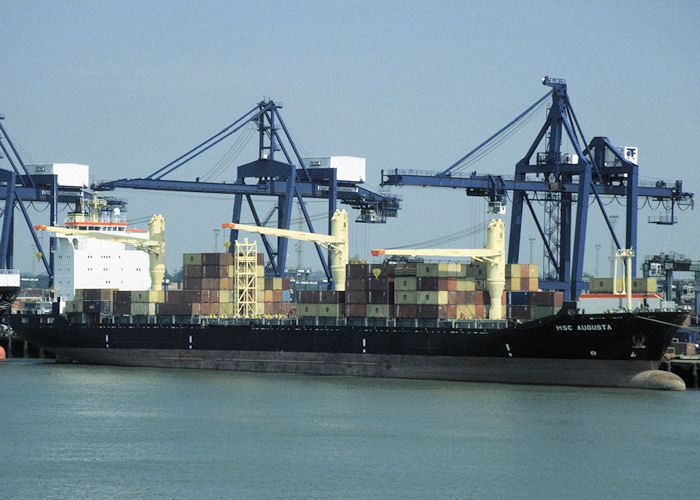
97, 432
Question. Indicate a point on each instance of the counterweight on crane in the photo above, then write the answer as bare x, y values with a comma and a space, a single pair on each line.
493, 254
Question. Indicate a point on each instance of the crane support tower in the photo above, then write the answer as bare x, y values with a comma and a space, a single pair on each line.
493, 254
561, 181
288, 179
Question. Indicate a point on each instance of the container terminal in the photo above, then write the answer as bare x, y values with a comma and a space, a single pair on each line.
404, 291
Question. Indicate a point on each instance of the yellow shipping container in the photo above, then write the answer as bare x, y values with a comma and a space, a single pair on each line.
532, 270
143, 308
466, 311
148, 296
259, 309
513, 284
431, 298
466, 285
644, 285
512, 270
379, 310
451, 270
226, 308
225, 296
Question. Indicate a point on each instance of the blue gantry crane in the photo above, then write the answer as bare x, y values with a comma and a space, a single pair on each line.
287, 179
18, 187
560, 181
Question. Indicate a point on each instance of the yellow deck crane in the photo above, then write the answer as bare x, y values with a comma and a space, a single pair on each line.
336, 242
154, 245
493, 254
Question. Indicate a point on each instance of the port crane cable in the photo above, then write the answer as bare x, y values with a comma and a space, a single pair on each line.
230, 155
201, 148
502, 139
446, 238
473, 151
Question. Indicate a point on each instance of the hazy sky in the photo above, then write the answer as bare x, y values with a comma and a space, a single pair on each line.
128, 86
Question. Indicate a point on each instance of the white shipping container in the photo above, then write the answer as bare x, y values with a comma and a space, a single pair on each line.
69, 174
349, 168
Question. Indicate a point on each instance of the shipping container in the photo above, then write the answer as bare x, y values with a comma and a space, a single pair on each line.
408, 283
405, 297
405, 310
194, 259
379, 311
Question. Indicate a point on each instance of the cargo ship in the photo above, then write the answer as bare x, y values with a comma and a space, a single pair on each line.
400, 319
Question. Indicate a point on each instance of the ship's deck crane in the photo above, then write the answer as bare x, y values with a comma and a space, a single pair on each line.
287, 180
154, 245
560, 181
336, 242
493, 254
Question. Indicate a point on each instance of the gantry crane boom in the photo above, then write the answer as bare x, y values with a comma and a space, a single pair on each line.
494, 254
336, 242
154, 246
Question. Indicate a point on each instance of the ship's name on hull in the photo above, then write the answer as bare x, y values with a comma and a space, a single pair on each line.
584, 328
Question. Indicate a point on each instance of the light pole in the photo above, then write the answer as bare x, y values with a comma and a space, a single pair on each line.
216, 239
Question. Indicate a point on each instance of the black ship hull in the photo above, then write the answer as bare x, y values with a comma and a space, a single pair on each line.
611, 350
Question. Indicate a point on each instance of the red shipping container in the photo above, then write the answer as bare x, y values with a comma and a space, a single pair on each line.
261, 259
427, 311
447, 284
378, 297
191, 271
122, 308
357, 270
355, 310
286, 284
308, 297
330, 297
405, 310
192, 283
379, 284
121, 296
428, 284
479, 299
356, 297
479, 311
460, 297
356, 283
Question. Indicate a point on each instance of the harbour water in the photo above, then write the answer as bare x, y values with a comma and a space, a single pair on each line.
72, 431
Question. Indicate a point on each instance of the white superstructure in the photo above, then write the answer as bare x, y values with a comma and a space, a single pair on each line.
82, 262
